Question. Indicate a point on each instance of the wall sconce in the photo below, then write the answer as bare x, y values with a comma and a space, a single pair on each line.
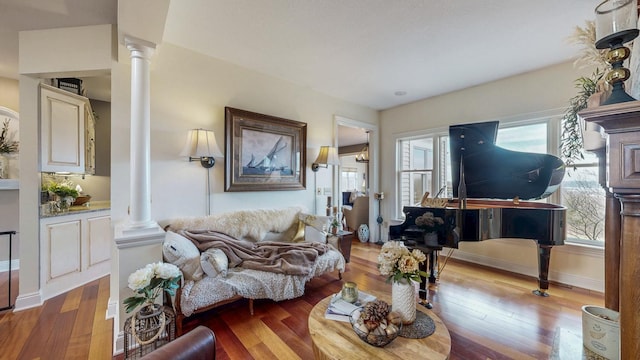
201, 145
328, 156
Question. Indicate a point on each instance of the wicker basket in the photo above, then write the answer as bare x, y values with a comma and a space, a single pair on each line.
146, 327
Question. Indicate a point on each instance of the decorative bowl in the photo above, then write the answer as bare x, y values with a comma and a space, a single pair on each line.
81, 200
377, 337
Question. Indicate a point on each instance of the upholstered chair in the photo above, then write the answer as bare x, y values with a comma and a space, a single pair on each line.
199, 343
357, 214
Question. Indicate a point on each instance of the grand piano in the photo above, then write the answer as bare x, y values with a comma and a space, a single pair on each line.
490, 185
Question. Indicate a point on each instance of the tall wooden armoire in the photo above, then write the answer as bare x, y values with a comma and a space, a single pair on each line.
621, 123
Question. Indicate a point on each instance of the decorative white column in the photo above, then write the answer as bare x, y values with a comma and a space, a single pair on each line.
140, 192
138, 240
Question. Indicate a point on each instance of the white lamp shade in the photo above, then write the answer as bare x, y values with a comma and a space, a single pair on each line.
201, 143
328, 156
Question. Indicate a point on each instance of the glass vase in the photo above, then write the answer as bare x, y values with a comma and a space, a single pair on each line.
403, 300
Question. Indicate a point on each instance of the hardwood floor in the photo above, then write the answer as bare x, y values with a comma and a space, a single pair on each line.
69, 326
490, 314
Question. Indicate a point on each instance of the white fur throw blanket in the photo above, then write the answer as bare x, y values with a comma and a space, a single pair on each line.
251, 225
278, 257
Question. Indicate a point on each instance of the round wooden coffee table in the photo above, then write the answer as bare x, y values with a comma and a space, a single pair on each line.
336, 340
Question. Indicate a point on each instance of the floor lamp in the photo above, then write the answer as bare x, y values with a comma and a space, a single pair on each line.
201, 145
328, 156
379, 196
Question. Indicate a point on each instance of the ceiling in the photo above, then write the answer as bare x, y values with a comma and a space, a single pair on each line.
361, 51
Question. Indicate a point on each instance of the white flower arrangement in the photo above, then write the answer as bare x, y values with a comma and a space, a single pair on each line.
396, 262
150, 281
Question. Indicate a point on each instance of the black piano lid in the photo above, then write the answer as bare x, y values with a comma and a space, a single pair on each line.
493, 172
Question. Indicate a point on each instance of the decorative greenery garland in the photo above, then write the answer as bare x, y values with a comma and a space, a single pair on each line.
571, 144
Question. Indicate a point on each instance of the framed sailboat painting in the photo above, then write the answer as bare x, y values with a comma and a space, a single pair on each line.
263, 153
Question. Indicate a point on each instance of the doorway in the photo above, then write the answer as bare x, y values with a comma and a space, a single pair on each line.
357, 178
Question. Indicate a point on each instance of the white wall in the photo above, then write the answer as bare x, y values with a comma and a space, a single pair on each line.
9, 200
541, 90
190, 90
79, 61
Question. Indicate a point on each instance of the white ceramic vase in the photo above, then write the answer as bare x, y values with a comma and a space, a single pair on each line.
403, 300
363, 233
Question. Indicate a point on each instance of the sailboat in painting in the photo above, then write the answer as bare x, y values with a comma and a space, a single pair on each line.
269, 163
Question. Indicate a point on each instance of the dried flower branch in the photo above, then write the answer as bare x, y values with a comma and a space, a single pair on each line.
589, 56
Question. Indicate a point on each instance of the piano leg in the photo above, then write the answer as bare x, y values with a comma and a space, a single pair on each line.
433, 266
424, 284
544, 258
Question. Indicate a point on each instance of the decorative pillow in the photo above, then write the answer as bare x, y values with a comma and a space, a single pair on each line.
316, 227
181, 252
214, 262
320, 223
299, 235
311, 234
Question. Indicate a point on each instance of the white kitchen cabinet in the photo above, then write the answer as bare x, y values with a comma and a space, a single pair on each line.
75, 249
67, 132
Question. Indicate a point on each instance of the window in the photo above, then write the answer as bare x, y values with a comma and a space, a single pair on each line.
585, 201
425, 167
416, 170
349, 178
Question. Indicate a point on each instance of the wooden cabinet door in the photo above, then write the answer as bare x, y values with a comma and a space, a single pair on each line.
99, 239
63, 240
62, 120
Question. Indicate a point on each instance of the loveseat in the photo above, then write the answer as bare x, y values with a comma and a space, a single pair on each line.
217, 256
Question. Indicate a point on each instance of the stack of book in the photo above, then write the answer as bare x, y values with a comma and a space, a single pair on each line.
340, 310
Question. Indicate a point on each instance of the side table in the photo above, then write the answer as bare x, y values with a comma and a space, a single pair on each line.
344, 239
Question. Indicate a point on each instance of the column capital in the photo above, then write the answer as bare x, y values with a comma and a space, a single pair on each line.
138, 47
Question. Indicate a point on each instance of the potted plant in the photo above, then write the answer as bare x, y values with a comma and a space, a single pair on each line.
7, 147
148, 322
335, 225
576, 137
401, 266
65, 194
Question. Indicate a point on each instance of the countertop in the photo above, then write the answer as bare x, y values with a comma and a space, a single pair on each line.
91, 206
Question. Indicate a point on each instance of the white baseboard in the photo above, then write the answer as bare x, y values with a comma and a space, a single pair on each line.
28, 301
556, 276
495, 263
118, 344
4, 265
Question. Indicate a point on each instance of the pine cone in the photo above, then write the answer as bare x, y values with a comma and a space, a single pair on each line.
374, 312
